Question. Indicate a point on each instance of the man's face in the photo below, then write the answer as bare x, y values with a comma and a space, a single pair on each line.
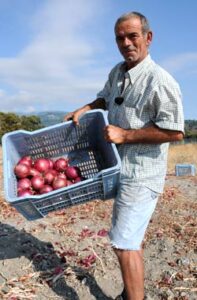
132, 43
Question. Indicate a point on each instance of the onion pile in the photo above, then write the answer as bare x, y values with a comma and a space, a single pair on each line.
43, 175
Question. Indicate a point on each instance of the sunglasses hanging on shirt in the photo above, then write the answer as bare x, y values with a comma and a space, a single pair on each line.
119, 100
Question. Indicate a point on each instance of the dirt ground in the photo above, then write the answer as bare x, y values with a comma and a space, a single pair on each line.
67, 254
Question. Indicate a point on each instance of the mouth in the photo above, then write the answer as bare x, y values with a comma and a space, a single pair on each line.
129, 51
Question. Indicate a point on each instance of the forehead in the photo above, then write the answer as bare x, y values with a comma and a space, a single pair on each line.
129, 25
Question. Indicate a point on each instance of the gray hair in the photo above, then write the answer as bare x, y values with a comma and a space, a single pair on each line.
134, 14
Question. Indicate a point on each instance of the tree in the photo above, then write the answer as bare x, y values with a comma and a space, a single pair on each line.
31, 123
10, 122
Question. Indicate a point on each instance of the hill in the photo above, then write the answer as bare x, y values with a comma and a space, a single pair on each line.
49, 118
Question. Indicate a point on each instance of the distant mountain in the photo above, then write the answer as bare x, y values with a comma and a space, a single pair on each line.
51, 117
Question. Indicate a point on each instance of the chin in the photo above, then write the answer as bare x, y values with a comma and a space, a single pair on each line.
131, 63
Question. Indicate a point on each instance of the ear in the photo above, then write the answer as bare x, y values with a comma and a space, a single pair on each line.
149, 38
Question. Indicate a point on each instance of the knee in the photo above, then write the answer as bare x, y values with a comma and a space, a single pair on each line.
121, 253
118, 252
124, 254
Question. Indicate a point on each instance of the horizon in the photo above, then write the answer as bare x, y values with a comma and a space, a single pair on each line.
56, 111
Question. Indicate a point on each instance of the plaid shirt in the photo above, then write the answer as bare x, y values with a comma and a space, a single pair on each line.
151, 96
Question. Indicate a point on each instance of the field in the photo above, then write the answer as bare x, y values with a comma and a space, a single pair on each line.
67, 254
181, 154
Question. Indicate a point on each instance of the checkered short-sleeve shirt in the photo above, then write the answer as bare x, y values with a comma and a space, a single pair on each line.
151, 96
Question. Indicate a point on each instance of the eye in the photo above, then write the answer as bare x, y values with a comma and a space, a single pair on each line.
129, 36
132, 36
120, 38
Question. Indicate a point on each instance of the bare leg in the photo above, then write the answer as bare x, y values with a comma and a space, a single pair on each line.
132, 268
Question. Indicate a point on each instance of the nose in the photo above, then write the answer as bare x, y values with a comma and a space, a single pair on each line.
126, 42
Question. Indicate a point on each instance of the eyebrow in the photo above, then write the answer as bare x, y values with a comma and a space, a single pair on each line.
131, 34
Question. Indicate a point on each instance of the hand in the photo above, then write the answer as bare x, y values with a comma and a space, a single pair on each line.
74, 116
114, 134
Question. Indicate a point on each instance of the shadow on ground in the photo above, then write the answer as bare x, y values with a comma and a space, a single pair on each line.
16, 243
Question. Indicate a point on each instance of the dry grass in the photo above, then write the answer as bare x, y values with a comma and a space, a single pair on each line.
181, 154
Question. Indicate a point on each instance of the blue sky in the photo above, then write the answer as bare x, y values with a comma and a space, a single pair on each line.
56, 54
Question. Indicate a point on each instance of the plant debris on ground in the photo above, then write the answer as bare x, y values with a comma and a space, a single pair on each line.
67, 255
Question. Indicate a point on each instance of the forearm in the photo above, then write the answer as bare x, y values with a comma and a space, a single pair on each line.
148, 135
152, 135
97, 104
75, 115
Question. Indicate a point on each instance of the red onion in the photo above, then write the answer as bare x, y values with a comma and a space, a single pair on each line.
49, 176
34, 172
69, 182
21, 170
26, 160
46, 189
59, 183
61, 175
78, 179
24, 184
24, 193
72, 172
42, 164
61, 164
51, 163
37, 182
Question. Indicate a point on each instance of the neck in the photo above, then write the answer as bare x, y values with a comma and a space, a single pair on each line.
132, 64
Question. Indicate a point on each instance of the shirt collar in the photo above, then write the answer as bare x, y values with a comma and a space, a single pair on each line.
138, 69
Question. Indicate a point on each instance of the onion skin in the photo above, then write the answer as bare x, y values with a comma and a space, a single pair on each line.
24, 193
78, 179
49, 176
46, 189
26, 160
69, 182
61, 175
33, 172
24, 184
21, 170
37, 182
59, 183
72, 172
42, 164
51, 163
61, 164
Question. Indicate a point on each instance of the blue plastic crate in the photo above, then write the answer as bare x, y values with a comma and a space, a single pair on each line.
85, 147
185, 170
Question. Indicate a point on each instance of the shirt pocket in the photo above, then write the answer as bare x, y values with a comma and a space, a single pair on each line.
130, 118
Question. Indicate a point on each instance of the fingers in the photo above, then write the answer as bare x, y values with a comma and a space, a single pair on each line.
107, 133
68, 117
114, 134
74, 116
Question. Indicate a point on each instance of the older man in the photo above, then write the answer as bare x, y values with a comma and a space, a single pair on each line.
145, 114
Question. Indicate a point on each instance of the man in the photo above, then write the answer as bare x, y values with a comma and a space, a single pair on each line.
145, 113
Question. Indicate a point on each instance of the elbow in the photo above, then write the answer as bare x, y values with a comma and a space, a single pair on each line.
179, 136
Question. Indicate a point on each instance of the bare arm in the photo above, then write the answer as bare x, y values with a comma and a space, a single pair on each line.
148, 135
96, 104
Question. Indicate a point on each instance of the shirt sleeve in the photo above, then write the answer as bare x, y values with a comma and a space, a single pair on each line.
105, 92
168, 109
